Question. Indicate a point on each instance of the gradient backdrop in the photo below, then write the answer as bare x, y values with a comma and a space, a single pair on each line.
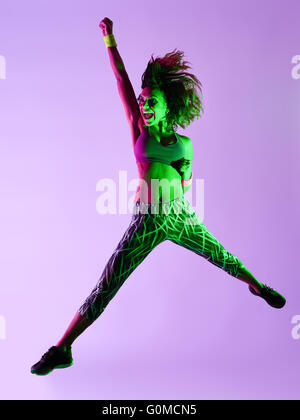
179, 327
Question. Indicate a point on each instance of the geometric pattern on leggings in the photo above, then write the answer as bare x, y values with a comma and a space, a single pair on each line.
150, 225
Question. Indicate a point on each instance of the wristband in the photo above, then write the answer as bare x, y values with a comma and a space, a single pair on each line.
110, 40
187, 182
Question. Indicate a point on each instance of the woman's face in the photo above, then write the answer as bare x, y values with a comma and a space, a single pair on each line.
152, 101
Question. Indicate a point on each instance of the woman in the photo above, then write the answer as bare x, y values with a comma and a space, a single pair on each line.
164, 160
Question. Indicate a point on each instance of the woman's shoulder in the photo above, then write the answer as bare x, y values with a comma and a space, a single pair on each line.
185, 139
188, 145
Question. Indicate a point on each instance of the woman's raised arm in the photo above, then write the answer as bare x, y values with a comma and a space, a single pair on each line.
115, 59
125, 88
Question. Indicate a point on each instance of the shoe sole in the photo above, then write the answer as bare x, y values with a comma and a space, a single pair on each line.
56, 367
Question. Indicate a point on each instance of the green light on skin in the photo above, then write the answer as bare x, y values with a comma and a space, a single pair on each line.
153, 100
119, 65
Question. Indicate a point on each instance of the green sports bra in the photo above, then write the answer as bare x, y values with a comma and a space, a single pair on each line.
148, 149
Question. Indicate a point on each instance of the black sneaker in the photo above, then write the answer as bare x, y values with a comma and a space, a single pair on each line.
55, 358
272, 297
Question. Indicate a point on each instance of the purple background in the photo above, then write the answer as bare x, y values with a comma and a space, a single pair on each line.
179, 327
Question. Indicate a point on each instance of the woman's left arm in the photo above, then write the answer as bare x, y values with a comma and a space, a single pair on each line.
184, 165
187, 174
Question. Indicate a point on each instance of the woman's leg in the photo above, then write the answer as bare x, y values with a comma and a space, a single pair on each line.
142, 236
186, 229
78, 324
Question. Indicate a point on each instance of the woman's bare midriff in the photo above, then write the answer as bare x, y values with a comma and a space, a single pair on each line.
159, 182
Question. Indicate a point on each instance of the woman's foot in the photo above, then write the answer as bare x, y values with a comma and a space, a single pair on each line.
54, 358
272, 297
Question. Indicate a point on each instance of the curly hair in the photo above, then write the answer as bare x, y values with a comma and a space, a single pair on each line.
179, 87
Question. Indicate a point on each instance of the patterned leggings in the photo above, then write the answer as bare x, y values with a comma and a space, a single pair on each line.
150, 225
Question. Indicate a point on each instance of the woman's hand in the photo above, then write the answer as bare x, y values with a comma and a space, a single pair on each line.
106, 26
182, 166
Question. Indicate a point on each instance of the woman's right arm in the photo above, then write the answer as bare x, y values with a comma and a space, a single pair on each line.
125, 88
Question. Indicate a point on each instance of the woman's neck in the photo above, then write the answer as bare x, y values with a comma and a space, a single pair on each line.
158, 134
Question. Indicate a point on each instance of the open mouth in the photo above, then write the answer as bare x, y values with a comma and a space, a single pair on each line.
148, 116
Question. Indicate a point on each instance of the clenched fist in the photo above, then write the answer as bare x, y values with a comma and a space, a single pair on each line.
106, 26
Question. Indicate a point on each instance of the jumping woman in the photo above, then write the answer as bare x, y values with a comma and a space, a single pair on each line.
168, 98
